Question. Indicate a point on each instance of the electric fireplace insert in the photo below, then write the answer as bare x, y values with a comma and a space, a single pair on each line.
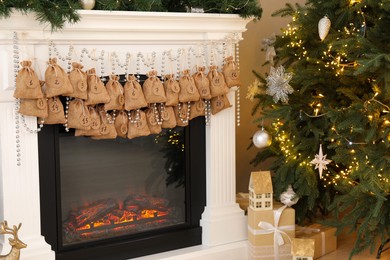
122, 198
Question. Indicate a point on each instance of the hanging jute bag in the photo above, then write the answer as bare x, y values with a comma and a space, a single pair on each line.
115, 91
219, 103
57, 81
78, 115
231, 72
218, 86
121, 124
134, 96
172, 89
27, 83
55, 110
78, 80
97, 92
138, 128
188, 91
34, 107
95, 124
197, 109
154, 126
107, 127
202, 83
154, 89
182, 114
168, 117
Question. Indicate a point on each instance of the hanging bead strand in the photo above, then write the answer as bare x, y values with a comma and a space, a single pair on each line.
238, 98
17, 101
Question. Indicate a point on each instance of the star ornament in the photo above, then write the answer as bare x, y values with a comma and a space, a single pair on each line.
278, 84
320, 161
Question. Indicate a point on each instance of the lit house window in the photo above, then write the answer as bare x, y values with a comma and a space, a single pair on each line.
258, 204
268, 195
267, 204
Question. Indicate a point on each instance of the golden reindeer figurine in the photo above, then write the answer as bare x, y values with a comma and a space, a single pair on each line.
16, 244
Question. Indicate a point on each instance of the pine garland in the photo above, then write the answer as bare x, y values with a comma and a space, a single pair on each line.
58, 12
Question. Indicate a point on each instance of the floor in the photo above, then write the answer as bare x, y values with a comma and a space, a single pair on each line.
345, 243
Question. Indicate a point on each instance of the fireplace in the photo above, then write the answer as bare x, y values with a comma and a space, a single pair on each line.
222, 222
100, 197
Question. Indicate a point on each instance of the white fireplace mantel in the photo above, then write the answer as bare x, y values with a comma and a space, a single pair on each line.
223, 222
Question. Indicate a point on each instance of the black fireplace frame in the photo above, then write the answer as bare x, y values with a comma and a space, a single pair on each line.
131, 246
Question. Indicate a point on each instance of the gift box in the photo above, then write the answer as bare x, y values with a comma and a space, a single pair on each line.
324, 237
264, 236
267, 252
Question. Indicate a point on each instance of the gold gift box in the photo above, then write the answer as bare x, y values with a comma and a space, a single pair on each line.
267, 252
286, 219
325, 240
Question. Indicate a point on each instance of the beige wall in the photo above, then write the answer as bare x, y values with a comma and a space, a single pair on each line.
252, 58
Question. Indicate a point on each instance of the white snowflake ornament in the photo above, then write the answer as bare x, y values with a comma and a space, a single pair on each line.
278, 84
320, 161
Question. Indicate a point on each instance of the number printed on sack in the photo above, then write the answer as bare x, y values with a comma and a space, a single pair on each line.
85, 121
55, 108
95, 124
219, 103
123, 129
217, 81
41, 104
104, 129
234, 75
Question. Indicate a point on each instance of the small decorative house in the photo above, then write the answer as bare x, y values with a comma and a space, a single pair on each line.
260, 191
302, 249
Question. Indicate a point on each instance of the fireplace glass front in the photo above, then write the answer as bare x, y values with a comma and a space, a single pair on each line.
111, 192
115, 187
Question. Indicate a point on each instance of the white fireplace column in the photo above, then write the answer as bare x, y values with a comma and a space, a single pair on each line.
222, 222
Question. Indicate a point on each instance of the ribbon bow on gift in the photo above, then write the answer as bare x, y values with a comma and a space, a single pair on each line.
267, 228
269, 48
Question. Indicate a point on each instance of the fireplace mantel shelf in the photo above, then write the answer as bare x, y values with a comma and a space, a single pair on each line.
223, 222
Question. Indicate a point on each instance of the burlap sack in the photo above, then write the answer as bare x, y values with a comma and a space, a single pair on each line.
107, 128
219, 103
188, 91
34, 107
182, 115
154, 89
78, 80
139, 128
115, 91
57, 81
197, 109
27, 83
97, 92
154, 126
78, 115
218, 86
168, 116
172, 90
202, 83
121, 124
95, 124
55, 110
134, 96
231, 73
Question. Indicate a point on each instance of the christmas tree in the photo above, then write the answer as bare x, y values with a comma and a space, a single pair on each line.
326, 105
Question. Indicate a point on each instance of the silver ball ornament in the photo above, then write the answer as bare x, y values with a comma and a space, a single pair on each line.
87, 4
262, 138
